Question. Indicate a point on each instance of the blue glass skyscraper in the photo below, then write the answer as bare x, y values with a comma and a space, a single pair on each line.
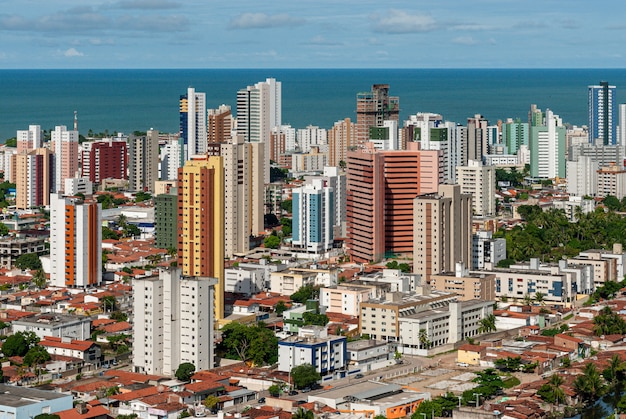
603, 114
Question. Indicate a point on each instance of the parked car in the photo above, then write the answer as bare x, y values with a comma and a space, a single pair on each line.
293, 393
358, 375
306, 389
262, 400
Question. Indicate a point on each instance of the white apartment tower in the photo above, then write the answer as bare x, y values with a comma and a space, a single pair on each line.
65, 147
173, 322
311, 136
29, 139
313, 215
193, 123
480, 182
582, 176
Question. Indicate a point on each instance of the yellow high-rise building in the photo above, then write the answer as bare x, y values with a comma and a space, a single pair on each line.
201, 222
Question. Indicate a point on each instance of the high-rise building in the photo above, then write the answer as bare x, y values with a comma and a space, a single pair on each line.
193, 124
143, 152
337, 180
313, 215
602, 113
33, 178
612, 181
220, 124
621, 129
244, 193
65, 146
105, 159
381, 187
432, 133
582, 177
442, 231
173, 322
477, 138
170, 160
166, 219
547, 147
201, 222
7, 157
276, 102
29, 139
486, 249
479, 181
311, 136
514, 134
372, 108
76, 251
341, 138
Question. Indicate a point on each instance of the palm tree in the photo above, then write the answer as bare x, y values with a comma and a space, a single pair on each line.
425, 343
303, 414
528, 300
557, 391
539, 297
39, 279
590, 385
487, 324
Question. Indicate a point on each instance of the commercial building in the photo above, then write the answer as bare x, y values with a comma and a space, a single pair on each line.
468, 286
602, 104
315, 347
373, 108
442, 231
514, 134
143, 166
201, 222
220, 125
76, 252
193, 124
479, 181
311, 136
612, 181
21, 402
477, 139
486, 249
65, 146
56, 325
381, 188
104, 159
173, 322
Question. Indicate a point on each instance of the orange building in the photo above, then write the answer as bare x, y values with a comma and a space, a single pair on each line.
381, 188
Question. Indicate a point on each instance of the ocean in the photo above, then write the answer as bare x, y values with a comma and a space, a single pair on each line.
129, 100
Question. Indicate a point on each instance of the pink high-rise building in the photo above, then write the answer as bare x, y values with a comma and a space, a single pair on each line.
381, 188
65, 146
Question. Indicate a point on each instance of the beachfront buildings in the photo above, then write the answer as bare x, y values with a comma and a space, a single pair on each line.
30, 139
341, 138
143, 165
602, 104
201, 222
381, 188
173, 322
76, 253
442, 231
34, 174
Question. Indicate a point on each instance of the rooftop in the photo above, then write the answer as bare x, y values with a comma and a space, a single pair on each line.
15, 397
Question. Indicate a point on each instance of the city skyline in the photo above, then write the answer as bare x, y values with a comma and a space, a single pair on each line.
398, 34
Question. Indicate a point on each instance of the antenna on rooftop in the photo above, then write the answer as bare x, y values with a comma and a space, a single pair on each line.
75, 120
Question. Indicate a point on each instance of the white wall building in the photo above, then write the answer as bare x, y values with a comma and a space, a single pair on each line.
311, 136
313, 346
480, 182
169, 160
345, 299
313, 216
78, 185
241, 280
582, 177
57, 325
173, 322
486, 249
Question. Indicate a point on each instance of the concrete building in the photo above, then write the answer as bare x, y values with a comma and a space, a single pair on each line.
311, 136
432, 133
547, 146
34, 174
313, 346
313, 212
13, 247
341, 138
391, 280
573, 205
143, 165
201, 222
514, 134
345, 299
381, 187
76, 254
86, 350
193, 124
385, 138
442, 231
373, 108
367, 355
7, 162
104, 159
221, 124
469, 286
30, 139
380, 318
173, 322
477, 138
244, 280
479, 181
170, 158
65, 147
312, 161
445, 325
612, 181
166, 219
289, 281
582, 177
57, 325
21, 402
603, 113
608, 265
244, 203
603, 155
486, 249
78, 185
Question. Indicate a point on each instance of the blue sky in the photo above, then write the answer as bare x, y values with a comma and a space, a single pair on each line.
312, 34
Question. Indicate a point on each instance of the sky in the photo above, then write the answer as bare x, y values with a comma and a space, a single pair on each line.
37, 34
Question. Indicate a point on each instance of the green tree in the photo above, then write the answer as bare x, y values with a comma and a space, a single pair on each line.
539, 297
274, 390
304, 375
28, 261
109, 303
590, 385
18, 344
508, 363
142, 196
301, 413
39, 279
552, 392
118, 316
487, 324
286, 206
306, 292
211, 402
185, 371
427, 407
316, 319
36, 355
108, 234
4, 230
254, 343
271, 242
287, 226
425, 343
281, 307
608, 323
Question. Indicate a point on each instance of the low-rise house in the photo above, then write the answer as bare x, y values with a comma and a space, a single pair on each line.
470, 354
88, 351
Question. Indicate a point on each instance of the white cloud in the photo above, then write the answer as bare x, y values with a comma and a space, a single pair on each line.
262, 21
398, 21
464, 40
320, 40
73, 52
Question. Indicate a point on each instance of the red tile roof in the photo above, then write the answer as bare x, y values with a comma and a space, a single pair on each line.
76, 345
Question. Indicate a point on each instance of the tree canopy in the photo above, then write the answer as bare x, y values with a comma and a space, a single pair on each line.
305, 293
18, 344
185, 371
253, 343
304, 375
28, 261
403, 267
36, 355
608, 322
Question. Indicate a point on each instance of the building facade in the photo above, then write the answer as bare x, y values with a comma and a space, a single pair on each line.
107, 159
313, 209
34, 174
143, 164
193, 124
479, 181
65, 146
166, 219
373, 108
315, 347
603, 113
